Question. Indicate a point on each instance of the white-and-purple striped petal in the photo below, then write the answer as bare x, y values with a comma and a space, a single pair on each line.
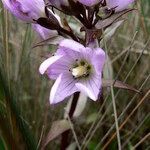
63, 87
91, 87
48, 62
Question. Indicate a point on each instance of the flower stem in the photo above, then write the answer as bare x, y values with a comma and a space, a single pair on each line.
116, 118
64, 140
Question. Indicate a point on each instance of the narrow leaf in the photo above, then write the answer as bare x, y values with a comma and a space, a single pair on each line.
50, 41
49, 23
2, 145
119, 84
114, 18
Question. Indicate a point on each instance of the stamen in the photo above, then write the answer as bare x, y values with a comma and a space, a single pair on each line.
88, 67
82, 63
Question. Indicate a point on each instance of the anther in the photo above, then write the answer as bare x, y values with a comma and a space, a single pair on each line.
88, 67
82, 63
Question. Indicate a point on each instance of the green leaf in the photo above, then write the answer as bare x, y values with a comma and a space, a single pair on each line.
92, 145
19, 125
113, 145
1, 92
2, 144
130, 146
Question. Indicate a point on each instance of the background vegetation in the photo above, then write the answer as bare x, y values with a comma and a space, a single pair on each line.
25, 113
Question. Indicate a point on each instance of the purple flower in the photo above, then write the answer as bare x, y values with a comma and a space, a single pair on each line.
75, 68
119, 5
26, 10
43, 32
89, 2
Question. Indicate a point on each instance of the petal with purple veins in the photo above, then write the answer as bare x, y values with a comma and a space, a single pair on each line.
63, 87
87, 54
79, 54
71, 45
72, 49
62, 66
98, 60
91, 87
48, 62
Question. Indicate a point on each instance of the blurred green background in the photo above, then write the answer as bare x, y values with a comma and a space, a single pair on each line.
25, 114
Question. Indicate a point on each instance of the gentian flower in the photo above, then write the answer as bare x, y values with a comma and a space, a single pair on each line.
119, 5
89, 2
43, 32
26, 10
75, 68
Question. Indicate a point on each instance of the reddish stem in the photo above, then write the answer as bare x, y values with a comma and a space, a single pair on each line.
64, 140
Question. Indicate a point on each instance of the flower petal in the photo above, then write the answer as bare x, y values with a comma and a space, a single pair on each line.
119, 5
35, 8
25, 10
15, 9
48, 62
98, 60
91, 87
71, 44
87, 54
62, 66
71, 49
63, 87
74, 50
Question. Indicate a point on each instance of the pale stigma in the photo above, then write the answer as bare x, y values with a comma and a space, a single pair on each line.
79, 71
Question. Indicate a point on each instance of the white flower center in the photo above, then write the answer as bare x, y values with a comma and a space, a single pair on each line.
79, 71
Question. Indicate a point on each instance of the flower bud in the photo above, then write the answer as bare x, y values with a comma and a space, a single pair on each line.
118, 5
26, 10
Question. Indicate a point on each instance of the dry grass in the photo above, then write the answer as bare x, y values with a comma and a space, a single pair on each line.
129, 52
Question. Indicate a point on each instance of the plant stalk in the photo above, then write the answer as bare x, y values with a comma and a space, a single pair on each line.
65, 135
